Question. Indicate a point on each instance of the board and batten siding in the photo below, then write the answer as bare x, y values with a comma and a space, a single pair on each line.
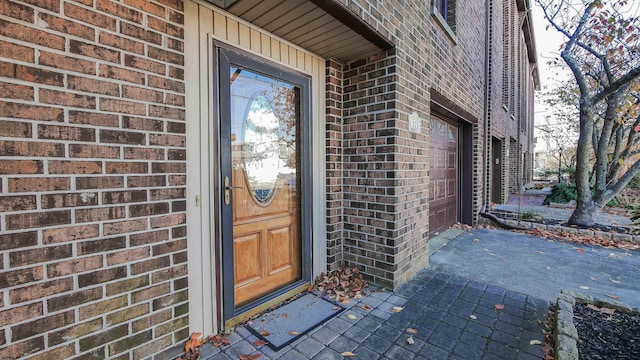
203, 24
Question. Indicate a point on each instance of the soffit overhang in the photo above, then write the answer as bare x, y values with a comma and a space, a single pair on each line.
324, 27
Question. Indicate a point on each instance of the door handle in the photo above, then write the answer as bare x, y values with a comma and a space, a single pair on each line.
227, 190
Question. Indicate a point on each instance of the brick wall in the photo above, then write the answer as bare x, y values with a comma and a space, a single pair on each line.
92, 177
511, 84
385, 167
334, 148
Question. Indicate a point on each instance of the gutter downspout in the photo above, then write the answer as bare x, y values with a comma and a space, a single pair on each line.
487, 62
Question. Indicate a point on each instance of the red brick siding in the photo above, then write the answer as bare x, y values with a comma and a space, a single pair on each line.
92, 178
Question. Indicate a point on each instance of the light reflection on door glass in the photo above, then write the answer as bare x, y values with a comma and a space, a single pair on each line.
263, 132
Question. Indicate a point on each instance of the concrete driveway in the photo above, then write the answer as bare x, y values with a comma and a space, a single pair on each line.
540, 267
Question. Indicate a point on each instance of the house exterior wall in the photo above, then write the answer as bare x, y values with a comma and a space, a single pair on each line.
93, 164
385, 166
92, 179
511, 84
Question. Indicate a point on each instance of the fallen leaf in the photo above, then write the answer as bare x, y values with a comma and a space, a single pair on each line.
613, 296
499, 307
293, 332
410, 340
285, 315
366, 307
412, 331
264, 332
193, 342
250, 356
473, 317
616, 281
607, 311
535, 342
351, 317
347, 354
580, 250
397, 309
345, 301
357, 296
593, 307
593, 279
584, 287
335, 308
259, 343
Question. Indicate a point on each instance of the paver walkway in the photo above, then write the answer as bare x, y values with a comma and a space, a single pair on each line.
455, 318
439, 306
541, 267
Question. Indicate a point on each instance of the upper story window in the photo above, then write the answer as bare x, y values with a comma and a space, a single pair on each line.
442, 7
444, 11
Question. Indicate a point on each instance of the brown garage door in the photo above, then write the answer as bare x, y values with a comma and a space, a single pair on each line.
443, 173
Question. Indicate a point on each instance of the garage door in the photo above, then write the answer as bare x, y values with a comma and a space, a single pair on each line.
443, 173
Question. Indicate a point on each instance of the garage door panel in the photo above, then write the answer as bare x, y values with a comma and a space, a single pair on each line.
444, 176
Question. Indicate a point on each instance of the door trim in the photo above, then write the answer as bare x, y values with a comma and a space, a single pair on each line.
223, 56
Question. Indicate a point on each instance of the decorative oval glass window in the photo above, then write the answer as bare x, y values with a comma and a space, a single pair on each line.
262, 148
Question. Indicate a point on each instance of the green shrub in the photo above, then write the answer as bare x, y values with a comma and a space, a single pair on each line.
561, 193
635, 182
635, 214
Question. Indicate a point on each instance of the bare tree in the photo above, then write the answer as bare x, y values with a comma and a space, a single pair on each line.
602, 50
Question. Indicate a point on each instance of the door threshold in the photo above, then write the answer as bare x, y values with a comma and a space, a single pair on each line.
264, 306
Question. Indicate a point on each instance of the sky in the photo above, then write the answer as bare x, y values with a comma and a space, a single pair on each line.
548, 42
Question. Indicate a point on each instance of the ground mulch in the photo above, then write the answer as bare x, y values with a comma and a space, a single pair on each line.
605, 335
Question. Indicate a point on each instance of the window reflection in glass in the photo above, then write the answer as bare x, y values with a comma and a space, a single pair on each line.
263, 125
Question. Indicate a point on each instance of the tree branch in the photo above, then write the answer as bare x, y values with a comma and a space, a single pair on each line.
618, 84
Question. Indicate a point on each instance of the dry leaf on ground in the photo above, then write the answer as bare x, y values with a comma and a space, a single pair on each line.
264, 332
293, 332
535, 342
259, 343
250, 356
351, 317
397, 309
499, 307
347, 354
412, 331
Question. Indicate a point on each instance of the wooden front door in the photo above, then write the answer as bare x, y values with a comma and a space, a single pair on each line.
264, 177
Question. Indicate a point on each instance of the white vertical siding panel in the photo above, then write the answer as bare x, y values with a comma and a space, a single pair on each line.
293, 57
233, 32
275, 50
220, 25
284, 53
256, 41
245, 36
308, 63
300, 61
265, 45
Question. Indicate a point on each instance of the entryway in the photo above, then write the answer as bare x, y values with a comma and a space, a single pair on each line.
496, 171
264, 117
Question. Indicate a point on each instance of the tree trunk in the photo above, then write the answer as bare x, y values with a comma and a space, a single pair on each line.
584, 213
585, 208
